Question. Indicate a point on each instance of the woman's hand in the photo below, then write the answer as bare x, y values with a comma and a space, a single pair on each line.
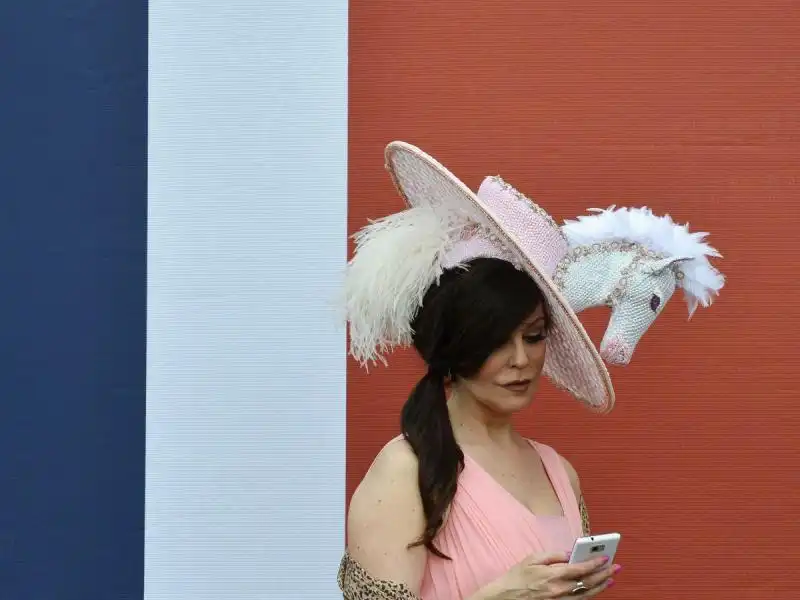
544, 577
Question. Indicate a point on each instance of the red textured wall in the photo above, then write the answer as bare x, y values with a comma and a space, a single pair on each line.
689, 109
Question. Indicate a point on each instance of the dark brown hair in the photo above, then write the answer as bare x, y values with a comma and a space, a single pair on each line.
464, 318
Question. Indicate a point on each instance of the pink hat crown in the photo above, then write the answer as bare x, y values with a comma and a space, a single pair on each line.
526, 223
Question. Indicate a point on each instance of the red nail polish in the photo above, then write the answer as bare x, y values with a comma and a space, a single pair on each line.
617, 569
610, 583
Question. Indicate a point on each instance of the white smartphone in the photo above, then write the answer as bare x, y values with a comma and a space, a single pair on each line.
595, 546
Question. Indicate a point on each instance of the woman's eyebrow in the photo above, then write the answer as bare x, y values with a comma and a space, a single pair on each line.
535, 321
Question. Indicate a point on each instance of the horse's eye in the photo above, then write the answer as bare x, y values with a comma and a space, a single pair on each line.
655, 302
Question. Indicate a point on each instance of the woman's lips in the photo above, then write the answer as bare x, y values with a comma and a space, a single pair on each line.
518, 386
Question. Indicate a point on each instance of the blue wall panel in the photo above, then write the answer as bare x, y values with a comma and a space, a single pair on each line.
73, 208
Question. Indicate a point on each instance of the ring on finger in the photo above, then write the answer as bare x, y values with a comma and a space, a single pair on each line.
579, 588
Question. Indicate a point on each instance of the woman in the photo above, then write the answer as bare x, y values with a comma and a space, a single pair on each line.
461, 505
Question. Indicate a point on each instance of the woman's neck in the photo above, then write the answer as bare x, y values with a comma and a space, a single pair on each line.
474, 424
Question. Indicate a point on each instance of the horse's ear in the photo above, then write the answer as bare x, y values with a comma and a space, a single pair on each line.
672, 262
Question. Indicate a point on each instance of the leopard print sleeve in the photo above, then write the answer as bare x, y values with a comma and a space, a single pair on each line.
356, 584
584, 518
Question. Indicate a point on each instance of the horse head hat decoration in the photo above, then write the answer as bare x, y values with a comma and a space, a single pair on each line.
633, 261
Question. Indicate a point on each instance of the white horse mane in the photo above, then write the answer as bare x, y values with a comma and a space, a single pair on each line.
700, 282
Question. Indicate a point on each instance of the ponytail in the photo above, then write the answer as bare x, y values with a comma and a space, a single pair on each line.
425, 423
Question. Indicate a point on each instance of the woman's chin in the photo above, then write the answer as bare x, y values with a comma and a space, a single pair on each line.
511, 402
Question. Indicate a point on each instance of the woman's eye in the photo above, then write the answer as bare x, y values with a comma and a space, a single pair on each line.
534, 338
655, 302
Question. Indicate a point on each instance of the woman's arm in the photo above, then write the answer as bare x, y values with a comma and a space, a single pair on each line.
576, 487
384, 517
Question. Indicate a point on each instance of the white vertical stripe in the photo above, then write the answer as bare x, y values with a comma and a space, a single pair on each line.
247, 241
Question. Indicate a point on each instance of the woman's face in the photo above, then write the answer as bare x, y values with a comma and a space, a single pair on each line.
509, 378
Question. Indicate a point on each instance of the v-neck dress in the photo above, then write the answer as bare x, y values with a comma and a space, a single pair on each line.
488, 530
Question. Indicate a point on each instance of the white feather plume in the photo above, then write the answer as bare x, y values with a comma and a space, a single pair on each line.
397, 258
701, 281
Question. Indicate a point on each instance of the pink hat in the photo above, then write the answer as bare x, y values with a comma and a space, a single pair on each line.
509, 225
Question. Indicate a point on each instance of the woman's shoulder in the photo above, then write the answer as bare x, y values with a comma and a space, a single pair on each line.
572, 474
395, 457
390, 484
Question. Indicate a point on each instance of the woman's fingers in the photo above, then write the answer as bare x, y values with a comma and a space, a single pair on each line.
594, 581
552, 558
578, 571
599, 577
592, 592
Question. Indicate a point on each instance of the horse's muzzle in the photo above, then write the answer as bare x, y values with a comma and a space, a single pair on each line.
616, 352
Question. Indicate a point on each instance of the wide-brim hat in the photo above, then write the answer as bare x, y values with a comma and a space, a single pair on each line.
508, 225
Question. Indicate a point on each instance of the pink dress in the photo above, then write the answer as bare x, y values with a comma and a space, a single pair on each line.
488, 531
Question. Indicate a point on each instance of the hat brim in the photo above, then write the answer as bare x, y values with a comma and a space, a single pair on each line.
572, 362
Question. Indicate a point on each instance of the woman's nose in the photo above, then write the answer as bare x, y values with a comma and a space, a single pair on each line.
520, 358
